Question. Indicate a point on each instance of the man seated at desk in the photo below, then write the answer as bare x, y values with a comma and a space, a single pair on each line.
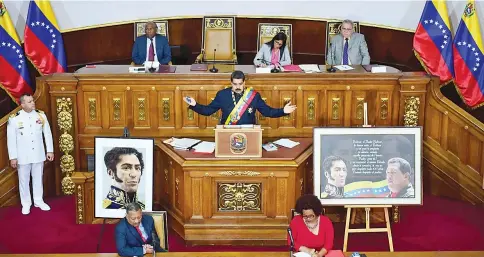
151, 47
348, 48
136, 234
238, 104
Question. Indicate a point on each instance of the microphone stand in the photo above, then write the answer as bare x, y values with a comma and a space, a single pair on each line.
213, 69
331, 68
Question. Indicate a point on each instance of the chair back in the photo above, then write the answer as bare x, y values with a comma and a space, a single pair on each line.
266, 31
218, 33
139, 28
161, 226
334, 28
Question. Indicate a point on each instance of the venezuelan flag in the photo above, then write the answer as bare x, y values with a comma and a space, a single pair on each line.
43, 41
362, 189
14, 75
432, 42
468, 59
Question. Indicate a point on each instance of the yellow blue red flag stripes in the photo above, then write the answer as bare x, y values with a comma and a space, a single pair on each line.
432, 42
468, 59
43, 41
14, 76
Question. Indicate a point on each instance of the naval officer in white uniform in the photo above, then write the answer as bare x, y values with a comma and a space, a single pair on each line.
26, 150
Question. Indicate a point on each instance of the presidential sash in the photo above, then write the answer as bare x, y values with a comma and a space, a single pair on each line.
240, 107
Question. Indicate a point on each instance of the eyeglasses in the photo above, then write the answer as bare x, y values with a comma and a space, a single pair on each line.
308, 217
347, 29
279, 43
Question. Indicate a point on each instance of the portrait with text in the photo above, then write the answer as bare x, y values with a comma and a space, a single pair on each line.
367, 166
123, 174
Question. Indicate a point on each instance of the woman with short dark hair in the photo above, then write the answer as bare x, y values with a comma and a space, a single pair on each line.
274, 52
313, 232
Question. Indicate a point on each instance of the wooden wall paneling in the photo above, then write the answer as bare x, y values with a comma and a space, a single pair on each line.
335, 108
433, 125
266, 97
358, 98
141, 110
91, 103
310, 108
117, 109
214, 119
269, 196
166, 109
286, 96
190, 118
383, 110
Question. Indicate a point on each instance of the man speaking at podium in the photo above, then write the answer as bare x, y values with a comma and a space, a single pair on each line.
238, 104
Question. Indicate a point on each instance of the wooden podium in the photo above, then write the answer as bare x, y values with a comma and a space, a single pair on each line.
238, 141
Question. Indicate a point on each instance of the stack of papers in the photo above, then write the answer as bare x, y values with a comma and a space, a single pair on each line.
286, 142
269, 147
344, 67
204, 147
181, 143
309, 68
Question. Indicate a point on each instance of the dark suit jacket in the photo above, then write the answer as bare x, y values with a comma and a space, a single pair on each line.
128, 240
223, 100
162, 50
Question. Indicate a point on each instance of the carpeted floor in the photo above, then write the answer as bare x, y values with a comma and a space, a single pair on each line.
439, 225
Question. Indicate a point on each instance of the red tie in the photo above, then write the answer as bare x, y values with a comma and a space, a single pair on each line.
151, 53
141, 234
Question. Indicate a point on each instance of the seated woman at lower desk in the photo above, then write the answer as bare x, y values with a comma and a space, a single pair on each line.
313, 232
274, 52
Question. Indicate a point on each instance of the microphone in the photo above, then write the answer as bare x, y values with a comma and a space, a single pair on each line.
331, 68
289, 231
213, 69
126, 132
153, 242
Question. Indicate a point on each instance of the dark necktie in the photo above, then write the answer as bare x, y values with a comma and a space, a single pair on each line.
140, 233
345, 52
151, 53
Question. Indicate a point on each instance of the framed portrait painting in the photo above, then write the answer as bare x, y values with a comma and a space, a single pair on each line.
123, 174
368, 166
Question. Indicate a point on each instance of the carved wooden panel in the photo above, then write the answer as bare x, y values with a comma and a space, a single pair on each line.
266, 97
311, 117
358, 98
383, 108
117, 109
92, 111
179, 186
166, 109
284, 98
141, 110
190, 118
214, 119
335, 108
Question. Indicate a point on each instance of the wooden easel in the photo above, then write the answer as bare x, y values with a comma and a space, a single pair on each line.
367, 229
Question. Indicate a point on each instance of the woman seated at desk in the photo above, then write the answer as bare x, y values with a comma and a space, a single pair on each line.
274, 52
313, 232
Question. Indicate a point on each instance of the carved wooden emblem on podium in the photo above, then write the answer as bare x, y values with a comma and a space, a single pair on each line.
238, 141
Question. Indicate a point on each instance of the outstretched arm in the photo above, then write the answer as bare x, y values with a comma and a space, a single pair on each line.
266, 110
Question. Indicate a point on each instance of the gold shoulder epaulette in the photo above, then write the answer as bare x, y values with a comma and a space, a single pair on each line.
13, 115
40, 111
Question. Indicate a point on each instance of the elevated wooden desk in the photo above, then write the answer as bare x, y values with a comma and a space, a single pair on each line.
224, 201
101, 101
262, 254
